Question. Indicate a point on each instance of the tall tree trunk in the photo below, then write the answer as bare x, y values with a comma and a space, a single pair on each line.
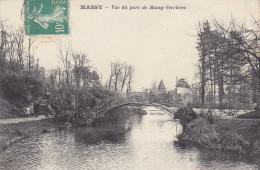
210, 76
109, 83
116, 83
220, 82
203, 78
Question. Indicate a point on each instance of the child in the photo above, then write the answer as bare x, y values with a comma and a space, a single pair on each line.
27, 111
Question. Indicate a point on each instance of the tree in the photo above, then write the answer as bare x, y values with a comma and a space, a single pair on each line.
3, 44
30, 56
111, 76
203, 49
117, 69
130, 75
220, 64
66, 58
247, 46
124, 76
20, 49
154, 85
80, 60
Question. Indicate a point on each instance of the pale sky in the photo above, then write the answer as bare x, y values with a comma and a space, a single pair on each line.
157, 43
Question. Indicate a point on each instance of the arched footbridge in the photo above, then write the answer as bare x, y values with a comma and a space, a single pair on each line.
167, 110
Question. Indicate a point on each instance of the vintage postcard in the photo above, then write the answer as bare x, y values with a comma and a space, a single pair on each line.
129, 84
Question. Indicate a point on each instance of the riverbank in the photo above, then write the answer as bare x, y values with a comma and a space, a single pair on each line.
237, 135
251, 115
13, 133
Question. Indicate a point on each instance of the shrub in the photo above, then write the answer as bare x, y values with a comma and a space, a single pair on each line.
186, 115
20, 90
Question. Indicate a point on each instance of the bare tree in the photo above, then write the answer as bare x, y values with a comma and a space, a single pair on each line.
130, 75
30, 56
124, 76
117, 69
11, 48
19, 40
65, 57
111, 76
3, 46
154, 85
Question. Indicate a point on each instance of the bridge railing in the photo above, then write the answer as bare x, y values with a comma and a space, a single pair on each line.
110, 105
118, 100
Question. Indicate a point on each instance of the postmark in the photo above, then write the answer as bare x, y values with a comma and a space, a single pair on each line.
46, 17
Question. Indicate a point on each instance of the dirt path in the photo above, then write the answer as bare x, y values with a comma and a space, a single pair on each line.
18, 120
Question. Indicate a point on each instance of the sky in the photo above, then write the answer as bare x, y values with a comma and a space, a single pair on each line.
159, 44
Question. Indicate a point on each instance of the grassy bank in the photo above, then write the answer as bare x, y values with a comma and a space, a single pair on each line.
7, 110
238, 135
12, 133
251, 115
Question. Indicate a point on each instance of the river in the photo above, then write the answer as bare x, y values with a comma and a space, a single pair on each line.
147, 145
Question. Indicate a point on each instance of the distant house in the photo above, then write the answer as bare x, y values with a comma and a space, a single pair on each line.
161, 87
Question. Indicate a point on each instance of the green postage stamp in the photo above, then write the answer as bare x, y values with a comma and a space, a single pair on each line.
46, 17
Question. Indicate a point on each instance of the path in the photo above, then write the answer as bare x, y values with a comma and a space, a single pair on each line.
18, 120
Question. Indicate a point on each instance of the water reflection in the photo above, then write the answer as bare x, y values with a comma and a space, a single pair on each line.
95, 137
147, 145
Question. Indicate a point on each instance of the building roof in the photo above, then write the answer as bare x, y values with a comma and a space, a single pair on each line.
161, 86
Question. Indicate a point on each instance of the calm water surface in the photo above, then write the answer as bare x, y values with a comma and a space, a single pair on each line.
147, 145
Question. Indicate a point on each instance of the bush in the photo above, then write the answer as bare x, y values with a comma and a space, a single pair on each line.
201, 133
186, 115
234, 142
20, 90
241, 136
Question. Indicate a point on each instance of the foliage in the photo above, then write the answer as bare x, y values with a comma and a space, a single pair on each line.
20, 90
76, 87
228, 65
241, 136
21, 78
9, 110
186, 115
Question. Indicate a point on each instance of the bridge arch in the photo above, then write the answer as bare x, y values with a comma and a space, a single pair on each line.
168, 110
